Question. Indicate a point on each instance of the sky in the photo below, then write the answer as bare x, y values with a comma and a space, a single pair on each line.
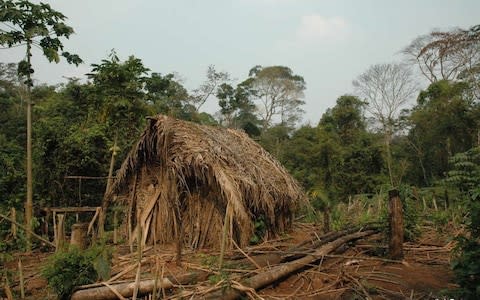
327, 42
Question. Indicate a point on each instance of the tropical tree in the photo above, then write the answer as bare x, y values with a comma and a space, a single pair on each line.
279, 94
33, 25
166, 94
237, 109
447, 55
443, 123
386, 88
118, 94
12, 136
351, 157
208, 88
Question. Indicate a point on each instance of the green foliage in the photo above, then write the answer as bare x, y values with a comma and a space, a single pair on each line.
455, 130
339, 155
411, 207
35, 24
259, 228
67, 269
465, 176
279, 93
466, 264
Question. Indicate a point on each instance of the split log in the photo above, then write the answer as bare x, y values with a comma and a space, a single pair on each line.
101, 292
276, 273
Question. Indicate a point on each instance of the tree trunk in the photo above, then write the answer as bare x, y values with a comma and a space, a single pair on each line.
396, 225
275, 273
29, 201
102, 292
389, 155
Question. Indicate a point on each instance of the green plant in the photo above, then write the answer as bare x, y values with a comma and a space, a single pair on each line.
67, 269
466, 265
259, 228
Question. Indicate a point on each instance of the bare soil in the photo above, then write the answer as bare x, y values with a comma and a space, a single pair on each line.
356, 271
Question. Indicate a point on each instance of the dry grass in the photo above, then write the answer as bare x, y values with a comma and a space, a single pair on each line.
182, 175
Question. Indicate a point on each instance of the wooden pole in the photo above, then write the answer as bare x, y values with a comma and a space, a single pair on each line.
326, 219
115, 225
60, 232
13, 215
396, 225
139, 254
224, 236
21, 279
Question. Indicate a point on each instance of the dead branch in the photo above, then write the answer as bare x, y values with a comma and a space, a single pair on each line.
276, 273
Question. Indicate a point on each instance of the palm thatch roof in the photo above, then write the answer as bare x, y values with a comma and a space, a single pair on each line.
183, 178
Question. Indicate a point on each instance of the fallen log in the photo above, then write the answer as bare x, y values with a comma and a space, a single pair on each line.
126, 289
269, 258
276, 273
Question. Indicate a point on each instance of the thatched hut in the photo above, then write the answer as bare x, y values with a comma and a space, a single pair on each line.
182, 180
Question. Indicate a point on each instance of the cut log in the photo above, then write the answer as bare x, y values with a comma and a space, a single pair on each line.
276, 273
102, 292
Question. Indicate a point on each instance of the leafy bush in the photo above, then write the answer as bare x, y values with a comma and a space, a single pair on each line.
67, 269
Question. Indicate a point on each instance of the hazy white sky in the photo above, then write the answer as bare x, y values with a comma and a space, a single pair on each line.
327, 42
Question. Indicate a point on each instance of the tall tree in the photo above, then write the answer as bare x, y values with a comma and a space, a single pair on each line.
166, 94
236, 108
447, 55
208, 87
32, 25
442, 124
280, 94
386, 88
118, 91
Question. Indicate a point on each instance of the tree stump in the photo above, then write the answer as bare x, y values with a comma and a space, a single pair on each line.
79, 235
396, 225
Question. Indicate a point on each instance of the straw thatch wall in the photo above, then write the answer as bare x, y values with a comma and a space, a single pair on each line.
181, 177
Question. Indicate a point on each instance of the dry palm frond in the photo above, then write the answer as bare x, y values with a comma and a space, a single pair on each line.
194, 169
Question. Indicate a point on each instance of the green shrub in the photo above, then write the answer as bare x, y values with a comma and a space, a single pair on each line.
67, 269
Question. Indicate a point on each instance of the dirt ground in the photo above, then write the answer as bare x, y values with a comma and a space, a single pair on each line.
356, 271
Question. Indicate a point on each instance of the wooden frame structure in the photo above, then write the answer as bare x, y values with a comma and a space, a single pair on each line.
58, 217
